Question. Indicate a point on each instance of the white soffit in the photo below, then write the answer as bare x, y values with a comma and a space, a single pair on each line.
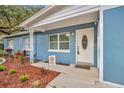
71, 12
55, 11
82, 19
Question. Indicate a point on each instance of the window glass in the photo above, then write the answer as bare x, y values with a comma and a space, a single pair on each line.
54, 42
64, 41
26, 43
53, 38
64, 45
10, 44
53, 46
59, 41
64, 37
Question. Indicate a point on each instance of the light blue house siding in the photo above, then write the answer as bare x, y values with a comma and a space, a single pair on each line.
67, 58
41, 43
5, 43
114, 45
18, 42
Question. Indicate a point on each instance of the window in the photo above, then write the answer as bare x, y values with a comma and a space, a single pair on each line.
64, 41
59, 41
54, 42
26, 43
10, 44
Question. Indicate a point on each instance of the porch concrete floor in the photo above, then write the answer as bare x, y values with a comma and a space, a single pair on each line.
72, 77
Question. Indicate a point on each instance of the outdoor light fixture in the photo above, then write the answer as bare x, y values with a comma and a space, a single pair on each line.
72, 34
96, 22
67, 34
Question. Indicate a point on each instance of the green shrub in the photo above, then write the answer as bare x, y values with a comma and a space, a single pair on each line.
23, 78
1, 52
54, 86
12, 71
2, 68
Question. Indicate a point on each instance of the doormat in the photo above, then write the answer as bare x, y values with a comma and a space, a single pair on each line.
83, 66
63, 64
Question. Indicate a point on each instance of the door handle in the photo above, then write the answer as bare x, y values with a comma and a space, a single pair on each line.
78, 50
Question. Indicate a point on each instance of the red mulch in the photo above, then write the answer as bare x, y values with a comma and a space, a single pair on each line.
12, 81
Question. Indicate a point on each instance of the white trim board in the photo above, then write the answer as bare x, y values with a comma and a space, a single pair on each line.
113, 84
101, 45
62, 51
106, 7
98, 46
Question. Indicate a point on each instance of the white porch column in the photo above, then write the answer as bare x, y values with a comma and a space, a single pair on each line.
31, 46
101, 45
98, 46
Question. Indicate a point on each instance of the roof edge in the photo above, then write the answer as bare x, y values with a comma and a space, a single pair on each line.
16, 34
35, 16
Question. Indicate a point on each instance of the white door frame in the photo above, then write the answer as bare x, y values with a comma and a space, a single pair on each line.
76, 42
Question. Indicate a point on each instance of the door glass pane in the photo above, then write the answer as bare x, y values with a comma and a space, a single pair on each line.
84, 42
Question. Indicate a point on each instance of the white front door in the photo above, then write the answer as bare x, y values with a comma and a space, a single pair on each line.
85, 45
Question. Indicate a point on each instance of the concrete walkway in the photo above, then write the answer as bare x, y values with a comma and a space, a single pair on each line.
72, 77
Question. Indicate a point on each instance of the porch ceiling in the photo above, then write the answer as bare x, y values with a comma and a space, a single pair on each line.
63, 22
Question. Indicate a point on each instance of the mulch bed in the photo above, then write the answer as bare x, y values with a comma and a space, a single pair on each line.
8, 80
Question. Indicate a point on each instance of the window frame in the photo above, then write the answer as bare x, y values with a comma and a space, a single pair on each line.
23, 43
53, 41
11, 43
58, 43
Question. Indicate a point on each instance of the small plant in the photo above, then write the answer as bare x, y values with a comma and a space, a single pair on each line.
21, 57
36, 84
54, 86
2, 68
12, 71
23, 78
1, 52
